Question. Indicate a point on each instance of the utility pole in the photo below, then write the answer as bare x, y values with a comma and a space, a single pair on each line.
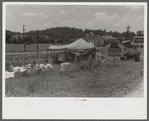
37, 41
23, 37
127, 33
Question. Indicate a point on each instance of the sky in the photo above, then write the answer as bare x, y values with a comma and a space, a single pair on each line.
108, 17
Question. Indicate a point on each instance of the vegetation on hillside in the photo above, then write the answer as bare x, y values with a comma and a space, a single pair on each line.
62, 35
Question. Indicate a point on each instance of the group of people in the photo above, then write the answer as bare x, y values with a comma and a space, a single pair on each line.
66, 57
57, 60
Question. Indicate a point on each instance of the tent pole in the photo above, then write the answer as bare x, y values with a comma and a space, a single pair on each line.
52, 56
46, 53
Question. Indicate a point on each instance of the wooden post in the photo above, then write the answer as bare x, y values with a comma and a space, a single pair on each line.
37, 41
23, 37
46, 53
51, 56
114, 56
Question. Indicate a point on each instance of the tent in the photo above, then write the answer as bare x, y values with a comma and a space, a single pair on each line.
80, 46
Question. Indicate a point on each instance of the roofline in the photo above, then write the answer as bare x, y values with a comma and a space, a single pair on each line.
138, 37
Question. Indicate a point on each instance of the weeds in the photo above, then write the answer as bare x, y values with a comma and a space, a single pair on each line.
87, 78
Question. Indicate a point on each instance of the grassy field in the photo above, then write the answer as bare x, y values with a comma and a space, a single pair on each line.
14, 48
84, 79
109, 79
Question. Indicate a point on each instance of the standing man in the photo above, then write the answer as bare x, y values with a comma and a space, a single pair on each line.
78, 57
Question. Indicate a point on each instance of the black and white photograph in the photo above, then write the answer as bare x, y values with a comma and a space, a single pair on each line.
86, 53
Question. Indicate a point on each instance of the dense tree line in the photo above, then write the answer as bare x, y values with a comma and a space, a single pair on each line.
63, 35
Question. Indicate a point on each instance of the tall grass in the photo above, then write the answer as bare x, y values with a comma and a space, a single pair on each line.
22, 60
84, 79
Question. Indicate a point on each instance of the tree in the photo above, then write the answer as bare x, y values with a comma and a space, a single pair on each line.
140, 33
131, 35
8, 38
14, 41
115, 34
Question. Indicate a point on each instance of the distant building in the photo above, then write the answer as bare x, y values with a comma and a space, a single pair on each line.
17, 37
138, 40
99, 40
96, 40
126, 43
108, 39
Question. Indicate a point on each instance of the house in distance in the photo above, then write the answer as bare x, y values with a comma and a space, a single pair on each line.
96, 40
99, 40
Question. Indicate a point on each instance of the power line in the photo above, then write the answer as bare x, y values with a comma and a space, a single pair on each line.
127, 33
128, 28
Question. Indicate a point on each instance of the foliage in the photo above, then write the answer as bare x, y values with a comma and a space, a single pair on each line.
8, 38
65, 35
140, 33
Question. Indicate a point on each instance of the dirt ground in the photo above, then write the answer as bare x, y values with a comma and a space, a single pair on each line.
138, 91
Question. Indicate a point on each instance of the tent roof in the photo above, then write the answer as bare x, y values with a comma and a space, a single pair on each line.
80, 44
127, 41
63, 47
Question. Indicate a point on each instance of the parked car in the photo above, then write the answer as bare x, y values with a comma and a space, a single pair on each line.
131, 54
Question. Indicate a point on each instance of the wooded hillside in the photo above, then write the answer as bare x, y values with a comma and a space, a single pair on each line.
62, 35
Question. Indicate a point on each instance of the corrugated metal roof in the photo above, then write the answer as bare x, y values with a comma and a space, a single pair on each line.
108, 37
138, 36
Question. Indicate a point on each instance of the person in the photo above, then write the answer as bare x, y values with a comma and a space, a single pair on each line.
78, 57
64, 57
67, 58
56, 56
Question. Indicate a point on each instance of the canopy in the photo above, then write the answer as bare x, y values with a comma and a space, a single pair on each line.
63, 47
80, 44
126, 42
79, 48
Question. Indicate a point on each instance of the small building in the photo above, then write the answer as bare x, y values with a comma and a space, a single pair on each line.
108, 39
17, 37
138, 40
96, 40
101, 40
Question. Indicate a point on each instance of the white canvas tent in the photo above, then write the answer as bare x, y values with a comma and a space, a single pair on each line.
81, 46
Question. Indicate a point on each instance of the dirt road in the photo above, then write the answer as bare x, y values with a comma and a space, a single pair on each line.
138, 91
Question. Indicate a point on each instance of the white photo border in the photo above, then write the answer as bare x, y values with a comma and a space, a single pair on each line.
67, 108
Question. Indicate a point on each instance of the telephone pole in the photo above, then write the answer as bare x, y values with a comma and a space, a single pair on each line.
127, 33
23, 37
37, 41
